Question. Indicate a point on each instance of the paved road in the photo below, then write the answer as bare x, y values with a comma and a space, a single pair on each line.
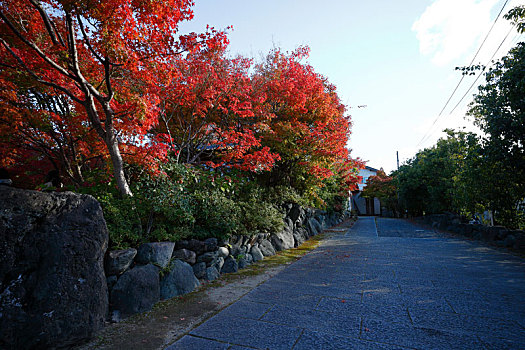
384, 284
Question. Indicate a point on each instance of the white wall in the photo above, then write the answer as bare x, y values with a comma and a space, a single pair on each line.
365, 173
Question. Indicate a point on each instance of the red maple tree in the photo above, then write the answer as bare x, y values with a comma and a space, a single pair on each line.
101, 55
208, 114
309, 128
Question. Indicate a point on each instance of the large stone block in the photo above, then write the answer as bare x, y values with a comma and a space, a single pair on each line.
199, 270
118, 261
179, 280
208, 258
266, 248
53, 291
490, 233
158, 253
137, 290
230, 265
256, 254
314, 226
296, 214
282, 240
210, 244
211, 273
195, 245
185, 255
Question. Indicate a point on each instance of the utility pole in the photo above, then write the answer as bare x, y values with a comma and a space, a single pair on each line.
397, 155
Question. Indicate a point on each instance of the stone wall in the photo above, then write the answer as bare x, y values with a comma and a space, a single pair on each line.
138, 278
58, 286
496, 235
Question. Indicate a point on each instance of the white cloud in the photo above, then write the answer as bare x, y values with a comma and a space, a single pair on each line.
449, 29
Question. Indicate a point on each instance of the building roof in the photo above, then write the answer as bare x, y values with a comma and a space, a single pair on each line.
371, 169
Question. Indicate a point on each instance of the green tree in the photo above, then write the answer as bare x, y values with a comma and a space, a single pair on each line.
427, 183
499, 111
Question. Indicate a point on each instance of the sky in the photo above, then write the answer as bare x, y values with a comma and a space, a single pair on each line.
396, 57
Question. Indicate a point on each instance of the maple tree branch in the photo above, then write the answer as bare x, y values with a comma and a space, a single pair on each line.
37, 78
35, 48
107, 76
72, 45
87, 41
58, 34
46, 19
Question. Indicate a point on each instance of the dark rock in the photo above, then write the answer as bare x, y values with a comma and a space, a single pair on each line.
322, 221
193, 244
210, 244
185, 255
118, 261
243, 263
236, 251
509, 241
300, 235
296, 213
234, 239
111, 281
266, 248
520, 239
218, 262
313, 226
287, 207
178, 281
137, 290
208, 258
282, 240
288, 224
262, 237
490, 233
230, 265
502, 234
211, 273
199, 270
468, 229
256, 254
181, 244
155, 253
53, 288
499, 243
223, 252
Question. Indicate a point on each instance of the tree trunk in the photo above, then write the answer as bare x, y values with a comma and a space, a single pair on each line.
118, 165
110, 139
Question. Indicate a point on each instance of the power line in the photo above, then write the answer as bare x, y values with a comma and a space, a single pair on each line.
476, 55
483, 70
463, 76
479, 75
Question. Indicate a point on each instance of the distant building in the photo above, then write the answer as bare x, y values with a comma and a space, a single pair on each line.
365, 206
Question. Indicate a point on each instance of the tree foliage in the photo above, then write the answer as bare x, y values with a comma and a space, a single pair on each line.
308, 127
99, 55
383, 187
166, 130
